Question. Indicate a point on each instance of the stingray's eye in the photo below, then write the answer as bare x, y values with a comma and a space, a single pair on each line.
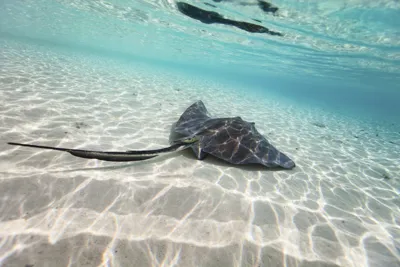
191, 140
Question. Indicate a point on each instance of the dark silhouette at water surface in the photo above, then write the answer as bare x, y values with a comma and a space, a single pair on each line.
209, 17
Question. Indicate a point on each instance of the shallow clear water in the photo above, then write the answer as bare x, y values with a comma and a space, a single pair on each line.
115, 75
339, 53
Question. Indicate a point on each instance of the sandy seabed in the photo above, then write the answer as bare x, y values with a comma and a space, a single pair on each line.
339, 207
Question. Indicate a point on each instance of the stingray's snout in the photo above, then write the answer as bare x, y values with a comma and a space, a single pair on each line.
284, 161
276, 158
287, 163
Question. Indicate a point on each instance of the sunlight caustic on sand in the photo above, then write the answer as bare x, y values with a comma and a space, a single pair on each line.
338, 207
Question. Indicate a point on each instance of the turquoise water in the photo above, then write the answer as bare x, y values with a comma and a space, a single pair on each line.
343, 54
320, 80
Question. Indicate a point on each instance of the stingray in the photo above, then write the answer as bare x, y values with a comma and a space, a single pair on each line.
230, 139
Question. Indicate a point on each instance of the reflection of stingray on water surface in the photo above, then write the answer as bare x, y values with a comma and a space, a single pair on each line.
231, 139
209, 17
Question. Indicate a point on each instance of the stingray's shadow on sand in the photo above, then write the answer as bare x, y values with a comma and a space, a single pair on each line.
185, 153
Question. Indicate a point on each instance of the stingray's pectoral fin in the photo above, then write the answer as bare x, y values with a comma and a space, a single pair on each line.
100, 155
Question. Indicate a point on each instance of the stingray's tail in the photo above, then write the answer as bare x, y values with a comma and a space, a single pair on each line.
136, 155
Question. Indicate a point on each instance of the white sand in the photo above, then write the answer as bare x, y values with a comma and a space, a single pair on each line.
334, 209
